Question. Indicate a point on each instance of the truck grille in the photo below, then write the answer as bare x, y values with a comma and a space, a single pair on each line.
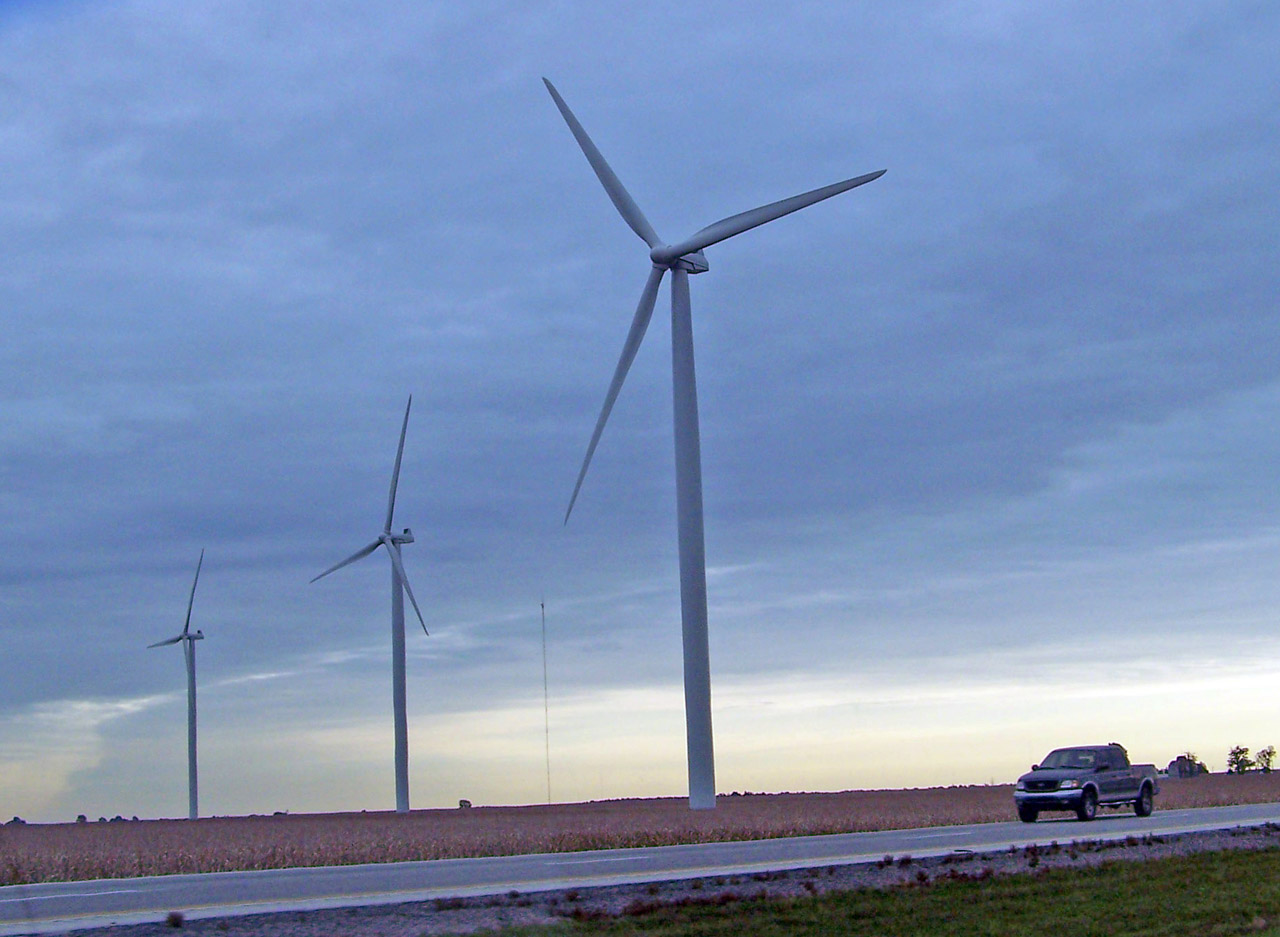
1042, 785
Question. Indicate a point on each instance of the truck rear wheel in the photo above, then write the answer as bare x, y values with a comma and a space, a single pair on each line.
1088, 808
1144, 804
1028, 814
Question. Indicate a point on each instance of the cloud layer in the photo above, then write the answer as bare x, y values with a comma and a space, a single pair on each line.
998, 426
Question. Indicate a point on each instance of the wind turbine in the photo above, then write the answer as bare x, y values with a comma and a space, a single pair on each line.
399, 588
189, 652
682, 258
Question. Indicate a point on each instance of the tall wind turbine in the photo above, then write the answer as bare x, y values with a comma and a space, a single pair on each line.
399, 588
682, 258
188, 641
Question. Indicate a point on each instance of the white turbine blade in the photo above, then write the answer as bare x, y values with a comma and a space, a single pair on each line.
621, 198
166, 643
644, 312
395, 473
745, 221
191, 601
408, 590
359, 555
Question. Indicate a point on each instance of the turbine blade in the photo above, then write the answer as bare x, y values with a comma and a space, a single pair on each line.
165, 643
191, 601
744, 221
644, 312
395, 473
359, 555
621, 198
404, 581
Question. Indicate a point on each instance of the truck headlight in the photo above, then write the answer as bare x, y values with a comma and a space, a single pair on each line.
1020, 786
1068, 784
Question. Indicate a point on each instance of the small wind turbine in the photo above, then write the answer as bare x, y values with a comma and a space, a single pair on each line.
683, 258
189, 652
399, 588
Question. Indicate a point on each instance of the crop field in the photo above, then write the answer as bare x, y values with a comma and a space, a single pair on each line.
71, 851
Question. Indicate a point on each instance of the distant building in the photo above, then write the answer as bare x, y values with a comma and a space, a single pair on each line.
1184, 767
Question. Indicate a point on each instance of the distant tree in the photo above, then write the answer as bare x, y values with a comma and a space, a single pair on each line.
1238, 760
1265, 758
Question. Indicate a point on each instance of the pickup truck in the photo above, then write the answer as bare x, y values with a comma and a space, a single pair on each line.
1083, 779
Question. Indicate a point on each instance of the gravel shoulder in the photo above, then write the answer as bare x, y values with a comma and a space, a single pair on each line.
464, 916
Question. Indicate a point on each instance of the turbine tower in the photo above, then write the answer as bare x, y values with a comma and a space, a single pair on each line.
399, 588
682, 258
189, 652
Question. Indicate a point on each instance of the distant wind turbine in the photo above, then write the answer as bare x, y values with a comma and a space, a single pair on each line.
399, 588
189, 652
682, 258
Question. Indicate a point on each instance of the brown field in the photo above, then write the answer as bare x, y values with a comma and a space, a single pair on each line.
69, 851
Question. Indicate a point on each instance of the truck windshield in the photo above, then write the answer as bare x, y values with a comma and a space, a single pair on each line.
1070, 758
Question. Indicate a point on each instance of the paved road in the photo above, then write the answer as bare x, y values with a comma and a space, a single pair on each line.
61, 907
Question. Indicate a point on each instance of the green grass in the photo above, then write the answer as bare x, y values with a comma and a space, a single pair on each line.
1205, 894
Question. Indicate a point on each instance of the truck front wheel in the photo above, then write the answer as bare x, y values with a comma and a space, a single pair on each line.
1028, 814
1088, 808
1144, 804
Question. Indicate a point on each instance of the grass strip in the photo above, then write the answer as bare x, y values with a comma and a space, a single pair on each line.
1213, 893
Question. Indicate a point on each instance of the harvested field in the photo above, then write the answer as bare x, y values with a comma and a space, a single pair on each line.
69, 851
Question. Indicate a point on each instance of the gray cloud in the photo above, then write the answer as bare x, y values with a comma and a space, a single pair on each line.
1021, 385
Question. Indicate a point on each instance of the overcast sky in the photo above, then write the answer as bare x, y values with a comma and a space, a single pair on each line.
989, 445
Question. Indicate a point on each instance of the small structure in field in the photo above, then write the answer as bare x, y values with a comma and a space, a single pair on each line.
1186, 766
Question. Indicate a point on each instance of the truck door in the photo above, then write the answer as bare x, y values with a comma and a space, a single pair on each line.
1116, 781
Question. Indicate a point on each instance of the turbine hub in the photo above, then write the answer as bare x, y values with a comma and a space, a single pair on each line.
695, 262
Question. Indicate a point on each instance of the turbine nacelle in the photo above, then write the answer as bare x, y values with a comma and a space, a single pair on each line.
405, 537
664, 257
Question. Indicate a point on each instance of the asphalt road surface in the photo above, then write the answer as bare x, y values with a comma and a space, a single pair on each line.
65, 906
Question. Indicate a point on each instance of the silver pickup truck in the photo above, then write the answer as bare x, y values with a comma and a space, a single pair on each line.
1083, 779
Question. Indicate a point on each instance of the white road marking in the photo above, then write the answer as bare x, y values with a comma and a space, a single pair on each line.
79, 894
